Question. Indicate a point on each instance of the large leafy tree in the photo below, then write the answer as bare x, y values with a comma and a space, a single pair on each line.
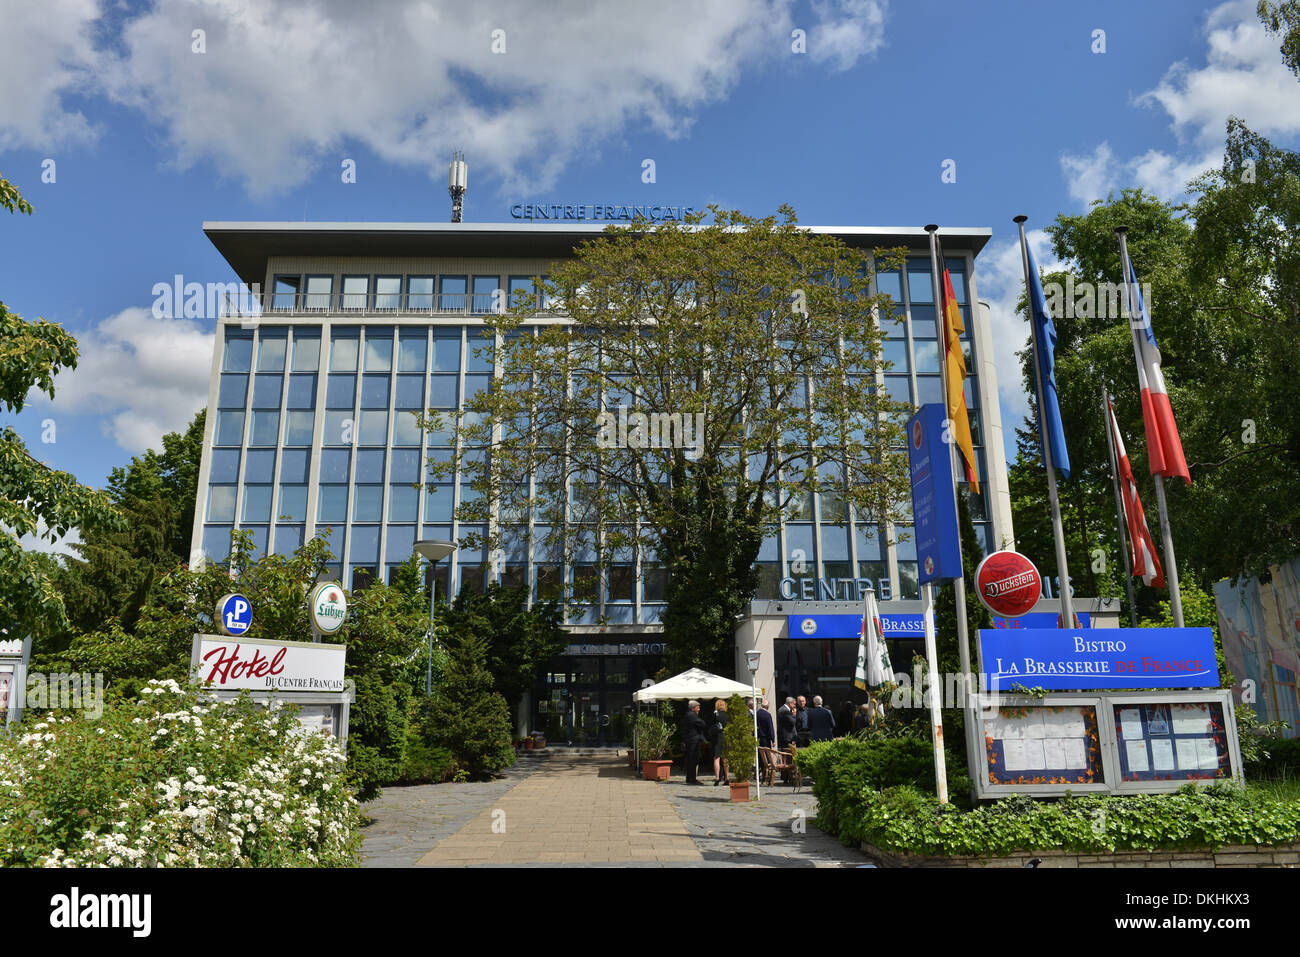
518, 639
1283, 19
34, 498
116, 568
731, 326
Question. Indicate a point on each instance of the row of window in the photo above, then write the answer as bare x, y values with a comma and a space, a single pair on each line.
401, 293
410, 349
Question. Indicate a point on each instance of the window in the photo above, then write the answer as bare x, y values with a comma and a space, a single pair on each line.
343, 352
306, 351
403, 503
374, 390
340, 392
335, 465
340, 428
319, 292
411, 353
221, 503
446, 351
230, 428
260, 466
410, 392
452, 289
302, 392
442, 392
355, 291
266, 391
370, 465
298, 427
622, 582
520, 290
654, 582
239, 354
294, 465
379, 351
225, 466
373, 428
406, 429
232, 392
257, 503
419, 292
332, 505
388, 293
271, 351
286, 292
368, 505
484, 289
266, 428
404, 466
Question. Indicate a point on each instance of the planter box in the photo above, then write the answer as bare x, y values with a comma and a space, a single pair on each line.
655, 770
740, 792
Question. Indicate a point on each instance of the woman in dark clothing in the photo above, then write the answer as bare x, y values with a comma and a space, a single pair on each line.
715, 742
844, 720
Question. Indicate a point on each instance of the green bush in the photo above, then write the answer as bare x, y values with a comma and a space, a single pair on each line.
1282, 760
173, 779
903, 820
654, 736
843, 768
738, 744
465, 716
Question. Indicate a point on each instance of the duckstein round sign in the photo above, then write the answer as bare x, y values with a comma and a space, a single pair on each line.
329, 608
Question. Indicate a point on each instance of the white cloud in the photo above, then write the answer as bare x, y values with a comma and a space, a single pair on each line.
1243, 76
145, 376
40, 542
46, 53
287, 87
1001, 275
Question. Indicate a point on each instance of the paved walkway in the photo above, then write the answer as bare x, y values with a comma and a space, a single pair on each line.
590, 810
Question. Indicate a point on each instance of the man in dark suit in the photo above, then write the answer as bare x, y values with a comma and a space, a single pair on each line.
802, 733
692, 735
785, 723
766, 733
821, 723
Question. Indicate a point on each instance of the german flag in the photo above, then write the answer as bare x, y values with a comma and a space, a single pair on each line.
952, 327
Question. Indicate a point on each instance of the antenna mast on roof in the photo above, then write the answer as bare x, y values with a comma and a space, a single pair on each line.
456, 184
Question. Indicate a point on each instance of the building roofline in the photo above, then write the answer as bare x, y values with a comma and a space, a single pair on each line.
246, 246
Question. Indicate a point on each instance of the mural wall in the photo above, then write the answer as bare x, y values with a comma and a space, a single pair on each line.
1259, 622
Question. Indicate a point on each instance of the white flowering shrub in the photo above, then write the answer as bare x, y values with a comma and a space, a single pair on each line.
174, 779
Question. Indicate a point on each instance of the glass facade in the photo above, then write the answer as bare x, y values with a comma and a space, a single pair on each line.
315, 432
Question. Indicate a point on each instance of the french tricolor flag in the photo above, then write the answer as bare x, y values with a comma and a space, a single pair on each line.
1164, 447
1142, 549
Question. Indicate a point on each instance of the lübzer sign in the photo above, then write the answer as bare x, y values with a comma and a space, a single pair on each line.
329, 607
233, 664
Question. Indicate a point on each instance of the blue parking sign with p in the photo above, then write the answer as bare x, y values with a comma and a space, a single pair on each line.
236, 613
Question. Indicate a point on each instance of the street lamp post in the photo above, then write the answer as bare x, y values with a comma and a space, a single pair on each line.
433, 549
752, 659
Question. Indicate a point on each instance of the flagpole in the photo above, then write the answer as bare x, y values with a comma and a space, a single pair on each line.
1166, 534
1058, 531
1119, 508
936, 692
963, 639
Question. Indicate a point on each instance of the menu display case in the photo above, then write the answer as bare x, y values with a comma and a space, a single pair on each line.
1115, 742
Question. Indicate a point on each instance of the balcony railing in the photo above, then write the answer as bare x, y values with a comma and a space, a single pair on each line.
381, 304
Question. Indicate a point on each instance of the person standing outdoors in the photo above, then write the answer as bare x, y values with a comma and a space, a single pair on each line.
766, 730
821, 723
715, 741
692, 735
786, 723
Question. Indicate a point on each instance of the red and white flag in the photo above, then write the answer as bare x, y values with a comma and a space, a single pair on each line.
1142, 549
1164, 447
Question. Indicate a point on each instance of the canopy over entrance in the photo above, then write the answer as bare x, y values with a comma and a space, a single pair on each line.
695, 683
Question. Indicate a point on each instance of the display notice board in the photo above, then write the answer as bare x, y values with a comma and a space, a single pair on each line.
1117, 742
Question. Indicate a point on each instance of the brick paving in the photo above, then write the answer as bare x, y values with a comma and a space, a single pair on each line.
588, 809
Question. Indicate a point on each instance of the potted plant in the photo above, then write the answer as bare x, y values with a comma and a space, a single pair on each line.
654, 737
738, 747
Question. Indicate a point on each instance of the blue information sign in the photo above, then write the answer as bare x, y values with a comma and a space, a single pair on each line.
903, 625
1085, 659
236, 613
938, 545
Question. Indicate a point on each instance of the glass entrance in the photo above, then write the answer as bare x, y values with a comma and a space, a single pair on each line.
587, 700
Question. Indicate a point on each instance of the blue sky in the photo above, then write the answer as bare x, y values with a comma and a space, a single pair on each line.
149, 138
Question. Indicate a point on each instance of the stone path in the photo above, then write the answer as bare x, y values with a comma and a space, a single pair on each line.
590, 810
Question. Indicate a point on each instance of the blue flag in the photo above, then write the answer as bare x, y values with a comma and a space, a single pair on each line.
1045, 334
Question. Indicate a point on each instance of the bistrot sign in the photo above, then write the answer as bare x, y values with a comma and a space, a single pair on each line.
235, 664
329, 607
1008, 584
234, 614
1064, 659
